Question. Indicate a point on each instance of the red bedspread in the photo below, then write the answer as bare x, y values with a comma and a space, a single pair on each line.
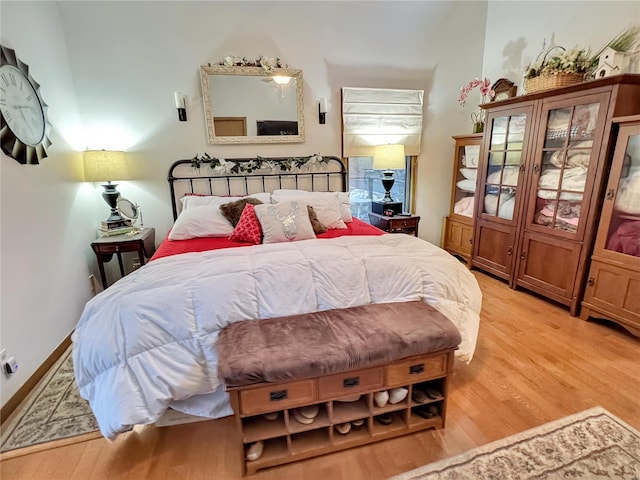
175, 247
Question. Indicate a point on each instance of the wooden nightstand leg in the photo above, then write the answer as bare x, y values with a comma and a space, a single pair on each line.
103, 275
120, 263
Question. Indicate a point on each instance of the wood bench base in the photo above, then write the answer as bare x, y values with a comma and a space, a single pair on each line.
286, 440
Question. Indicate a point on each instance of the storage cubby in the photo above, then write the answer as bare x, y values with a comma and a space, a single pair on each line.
286, 440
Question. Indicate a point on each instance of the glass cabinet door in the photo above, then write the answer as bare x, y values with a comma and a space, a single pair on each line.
505, 158
563, 170
624, 224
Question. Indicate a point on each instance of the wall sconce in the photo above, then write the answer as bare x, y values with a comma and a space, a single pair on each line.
181, 105
322, 111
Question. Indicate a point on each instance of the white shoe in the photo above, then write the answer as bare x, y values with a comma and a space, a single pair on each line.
343, 428
255, 451
310, 411
381, 398
301, 418
396, 395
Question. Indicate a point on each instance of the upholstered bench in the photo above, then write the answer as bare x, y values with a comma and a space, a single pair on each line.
306, 385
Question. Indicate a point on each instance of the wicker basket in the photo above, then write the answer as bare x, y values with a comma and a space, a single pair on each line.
537, 84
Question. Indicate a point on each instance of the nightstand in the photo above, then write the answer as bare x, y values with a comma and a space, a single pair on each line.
395, 224
104, 248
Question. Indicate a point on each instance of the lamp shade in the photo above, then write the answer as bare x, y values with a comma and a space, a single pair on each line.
388, 157
105, 165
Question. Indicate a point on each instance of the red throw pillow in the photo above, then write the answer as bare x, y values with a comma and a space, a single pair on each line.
248, 228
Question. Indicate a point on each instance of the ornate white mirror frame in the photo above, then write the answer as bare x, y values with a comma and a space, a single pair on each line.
214, 100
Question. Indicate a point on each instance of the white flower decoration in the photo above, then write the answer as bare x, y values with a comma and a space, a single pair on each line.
267, 63
224, 167
229, 61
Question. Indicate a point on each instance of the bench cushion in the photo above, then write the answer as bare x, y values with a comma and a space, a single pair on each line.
332, 341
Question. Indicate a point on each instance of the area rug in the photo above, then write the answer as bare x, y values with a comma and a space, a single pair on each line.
53, 411
592, 444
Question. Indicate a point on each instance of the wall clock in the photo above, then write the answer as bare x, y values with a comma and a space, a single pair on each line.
504, 89
23, 130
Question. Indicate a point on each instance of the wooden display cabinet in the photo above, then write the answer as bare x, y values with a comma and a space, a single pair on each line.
542, 170
286, 440
613, 285
457, 234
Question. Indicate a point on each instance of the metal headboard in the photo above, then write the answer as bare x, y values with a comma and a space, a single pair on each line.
190, 177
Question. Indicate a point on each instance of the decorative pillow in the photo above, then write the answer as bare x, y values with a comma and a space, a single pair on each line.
232, 211
343, 200
325, 204
202, 221
284, 222
189, 201
318, 227
248, 227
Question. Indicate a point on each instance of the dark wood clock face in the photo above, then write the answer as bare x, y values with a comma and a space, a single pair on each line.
24, 121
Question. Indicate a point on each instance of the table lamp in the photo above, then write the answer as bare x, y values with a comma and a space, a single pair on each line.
387, 158
106, 165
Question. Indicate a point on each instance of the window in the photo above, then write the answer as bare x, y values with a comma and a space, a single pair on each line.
378, 116
365, 185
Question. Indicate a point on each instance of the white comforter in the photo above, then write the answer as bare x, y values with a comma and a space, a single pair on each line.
148, 342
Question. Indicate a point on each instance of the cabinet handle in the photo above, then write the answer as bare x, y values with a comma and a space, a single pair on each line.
523, 255
278, 395
521, 169
536, 168
591, 282
509, 250
471, 241
351, 382
610, 194
416, 369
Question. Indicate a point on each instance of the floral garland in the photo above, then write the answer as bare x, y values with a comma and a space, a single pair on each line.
229, 166
267, 63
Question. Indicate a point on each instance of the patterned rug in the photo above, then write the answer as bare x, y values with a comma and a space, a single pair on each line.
592, 444
53, 411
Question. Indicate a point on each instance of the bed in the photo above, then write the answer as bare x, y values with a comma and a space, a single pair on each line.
148, 342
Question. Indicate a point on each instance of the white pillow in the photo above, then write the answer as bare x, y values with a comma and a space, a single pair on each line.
469, 173
467, 185
200, 221
284, 222
325, 204
345, 206
189, 201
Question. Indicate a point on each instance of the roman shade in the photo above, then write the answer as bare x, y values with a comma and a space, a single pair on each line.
380, 116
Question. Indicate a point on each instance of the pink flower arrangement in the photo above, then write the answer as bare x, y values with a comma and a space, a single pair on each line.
485, 90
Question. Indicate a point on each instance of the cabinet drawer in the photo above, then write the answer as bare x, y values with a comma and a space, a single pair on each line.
416, 369
402, 223
350, 382
116, 248
258, 400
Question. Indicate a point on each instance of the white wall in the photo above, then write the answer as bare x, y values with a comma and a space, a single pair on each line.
510, 46
47, 214
126, 68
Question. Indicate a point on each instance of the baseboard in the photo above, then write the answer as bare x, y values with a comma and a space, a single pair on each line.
30, 384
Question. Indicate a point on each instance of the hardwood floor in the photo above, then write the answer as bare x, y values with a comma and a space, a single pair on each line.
533, 364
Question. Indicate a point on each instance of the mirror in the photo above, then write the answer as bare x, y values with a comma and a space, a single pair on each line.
129, 210
252, 105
